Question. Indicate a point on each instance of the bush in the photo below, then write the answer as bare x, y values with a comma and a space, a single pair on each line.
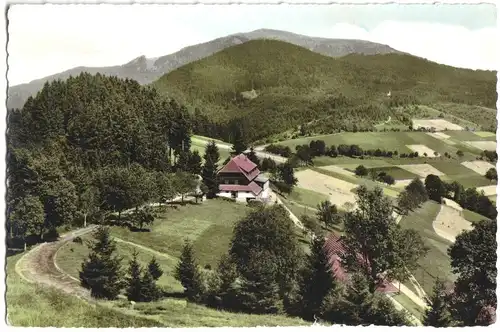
361, 171
255, 203
78, 240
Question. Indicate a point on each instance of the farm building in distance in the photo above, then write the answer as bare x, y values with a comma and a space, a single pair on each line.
241, 179
335, 249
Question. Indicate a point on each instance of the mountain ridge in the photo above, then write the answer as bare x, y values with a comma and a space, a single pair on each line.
146, 70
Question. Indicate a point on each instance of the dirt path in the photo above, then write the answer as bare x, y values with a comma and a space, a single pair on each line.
38, 266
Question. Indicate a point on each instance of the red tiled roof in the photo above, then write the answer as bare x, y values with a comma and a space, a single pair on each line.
335, 249
241, 164
244, 163
252, 187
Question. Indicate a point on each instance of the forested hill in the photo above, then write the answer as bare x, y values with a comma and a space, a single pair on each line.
271, 86
91, 145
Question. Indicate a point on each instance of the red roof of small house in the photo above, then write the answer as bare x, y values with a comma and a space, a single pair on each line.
242, 165
335, 249
252, 187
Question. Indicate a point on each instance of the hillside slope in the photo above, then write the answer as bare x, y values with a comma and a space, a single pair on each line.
146, 70
272, 86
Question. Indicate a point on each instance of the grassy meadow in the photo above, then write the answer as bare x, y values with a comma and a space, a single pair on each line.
437, 262
209, 226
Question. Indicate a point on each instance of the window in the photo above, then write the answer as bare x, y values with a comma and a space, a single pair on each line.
226, 181
236, 182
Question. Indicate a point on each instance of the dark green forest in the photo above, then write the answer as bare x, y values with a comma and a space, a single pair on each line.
88, 146
268, 87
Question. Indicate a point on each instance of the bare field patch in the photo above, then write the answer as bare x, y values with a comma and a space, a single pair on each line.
337, 190
484, 134
422, 150
488, 190
437, 124
441, 136
422, 170
452, 204
449, 223
478, 166
483, 145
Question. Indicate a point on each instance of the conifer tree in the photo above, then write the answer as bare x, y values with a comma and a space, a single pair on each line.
187, 272
238, 140
134, 282
259, 292
317, 280
101, 272
155, 269
209, 170
149, 289
438, 314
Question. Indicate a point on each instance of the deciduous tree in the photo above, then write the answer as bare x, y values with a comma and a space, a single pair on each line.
473, 259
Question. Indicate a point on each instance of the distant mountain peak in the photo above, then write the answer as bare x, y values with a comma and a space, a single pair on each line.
146, 70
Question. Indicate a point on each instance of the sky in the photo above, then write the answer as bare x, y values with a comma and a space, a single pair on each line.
47, 39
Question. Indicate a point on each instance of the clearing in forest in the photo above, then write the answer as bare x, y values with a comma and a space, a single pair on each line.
422, 170
478, 166
337, 190
437, 124
422, 150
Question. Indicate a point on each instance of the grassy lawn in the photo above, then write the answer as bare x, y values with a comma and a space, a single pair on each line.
472, 216
306, 197
31, 305
209, 226
436, 263
409, 305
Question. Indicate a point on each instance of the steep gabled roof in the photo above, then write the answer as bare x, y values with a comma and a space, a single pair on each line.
241, 164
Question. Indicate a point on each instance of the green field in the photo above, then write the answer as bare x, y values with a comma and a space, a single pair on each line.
463, 136
437, 262
396, 172
200, 146
389, 191
306, 197
209, 226
456, 172
391, 141
472, 216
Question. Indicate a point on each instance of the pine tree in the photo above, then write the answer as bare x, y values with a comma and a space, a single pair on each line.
155, 269
438, 314
149, 289
239, 143
187, 272
134, 282
253, 157
259, 292
101, 272
317, 280
209, 170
